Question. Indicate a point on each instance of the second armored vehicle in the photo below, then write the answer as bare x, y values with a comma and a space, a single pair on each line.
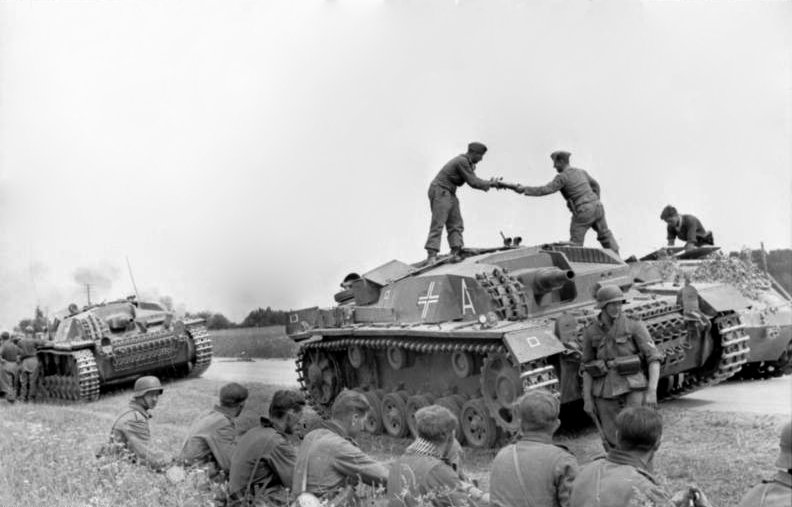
116, 342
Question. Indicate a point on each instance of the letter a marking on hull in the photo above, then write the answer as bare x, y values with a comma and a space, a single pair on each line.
467, 301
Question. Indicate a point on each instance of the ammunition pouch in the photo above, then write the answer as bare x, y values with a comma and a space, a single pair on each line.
596, 368
628, 365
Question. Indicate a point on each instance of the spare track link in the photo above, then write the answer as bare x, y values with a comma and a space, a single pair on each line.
415, 345
83, 387
734, 354
507, 292
203, 348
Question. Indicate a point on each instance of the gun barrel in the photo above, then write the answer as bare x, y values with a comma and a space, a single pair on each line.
551, 279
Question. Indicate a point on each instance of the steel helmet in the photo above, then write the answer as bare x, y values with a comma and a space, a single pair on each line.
147, 384
609, 294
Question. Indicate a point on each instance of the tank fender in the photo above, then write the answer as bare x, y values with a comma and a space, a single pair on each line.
722, 298
533, 343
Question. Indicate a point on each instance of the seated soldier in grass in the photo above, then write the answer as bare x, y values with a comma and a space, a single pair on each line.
210, 440
534, 472
329, 462
423, 476
262, 464
130, 431
776, 492
624, 476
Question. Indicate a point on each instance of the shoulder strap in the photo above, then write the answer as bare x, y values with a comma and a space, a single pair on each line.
518, 470
112, 428
267, 449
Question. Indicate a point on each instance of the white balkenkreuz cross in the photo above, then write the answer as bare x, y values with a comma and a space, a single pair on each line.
428, 299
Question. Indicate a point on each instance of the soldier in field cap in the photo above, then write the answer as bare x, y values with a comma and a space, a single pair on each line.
444, 203
776, 492
210, 440
582, 195
534, 471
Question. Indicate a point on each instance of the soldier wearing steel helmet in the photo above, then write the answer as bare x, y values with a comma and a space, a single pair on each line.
131, 429
582, 195
620, 363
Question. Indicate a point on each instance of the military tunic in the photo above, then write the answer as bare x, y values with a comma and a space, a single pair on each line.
421, 476
690, 230
262, 460
211, 440
544, 477
445, 204
774, 493
9, 369
29, 367
329, 460
618, 479
582, 195
609, 339
132, 432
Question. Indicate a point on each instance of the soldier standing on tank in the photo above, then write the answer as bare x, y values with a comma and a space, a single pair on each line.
131, 432
687, 228
582, 195
9, 367
624, 477
329, 462
534, 472
29, 365
776, 492
262, 465
615, 348
445, 204
210, 440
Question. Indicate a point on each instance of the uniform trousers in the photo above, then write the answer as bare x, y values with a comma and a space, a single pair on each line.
609, 408
445, 213
28, 377
591, 215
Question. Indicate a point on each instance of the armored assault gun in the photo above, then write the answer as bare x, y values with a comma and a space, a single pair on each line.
474, 335
114, 343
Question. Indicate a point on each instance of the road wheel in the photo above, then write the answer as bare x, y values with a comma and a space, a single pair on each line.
394, 414
479, 428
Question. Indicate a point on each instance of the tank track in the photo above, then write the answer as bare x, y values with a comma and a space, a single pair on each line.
83, 387
734, 354
507, 293
203, 349
411, 344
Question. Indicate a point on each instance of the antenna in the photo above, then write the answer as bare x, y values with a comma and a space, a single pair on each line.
88, 292
131, 277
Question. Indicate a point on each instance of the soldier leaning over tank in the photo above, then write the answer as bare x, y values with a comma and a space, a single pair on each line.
776, 492
262, 465
130, 434
29, 365
330, 463
624, 476
534, 472
582, 195
9, 367
615, 349
422, 475
445, 204
685, 227
210, 440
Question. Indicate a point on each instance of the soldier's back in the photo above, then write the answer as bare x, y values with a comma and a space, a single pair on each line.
773, 493
603, 483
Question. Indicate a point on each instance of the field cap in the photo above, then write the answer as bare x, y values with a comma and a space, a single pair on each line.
560, 155
476, 147
668, 212
785, 456
233, 394
538, 409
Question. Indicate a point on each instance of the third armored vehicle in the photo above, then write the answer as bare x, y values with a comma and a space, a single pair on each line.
116, 342
473, 335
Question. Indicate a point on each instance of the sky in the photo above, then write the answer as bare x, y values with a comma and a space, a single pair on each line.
244, 154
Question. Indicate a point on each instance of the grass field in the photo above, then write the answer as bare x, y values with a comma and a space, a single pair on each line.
262, 342
47, 451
